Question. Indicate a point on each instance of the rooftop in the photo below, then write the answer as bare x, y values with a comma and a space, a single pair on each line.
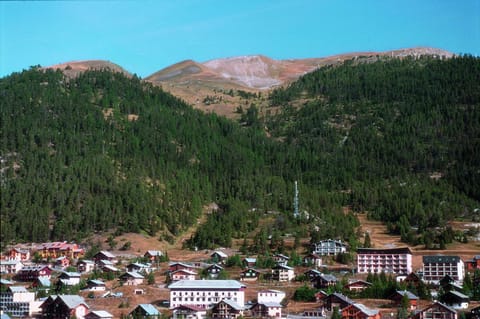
207, 284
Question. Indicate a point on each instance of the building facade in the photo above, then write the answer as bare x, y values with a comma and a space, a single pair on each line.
394, 260
329, 247
437, 267
205, 293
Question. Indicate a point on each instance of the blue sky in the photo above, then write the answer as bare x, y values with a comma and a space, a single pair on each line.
146, 36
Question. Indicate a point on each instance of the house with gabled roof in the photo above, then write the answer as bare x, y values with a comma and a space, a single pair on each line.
85, 266
250, 274
153, 255
312, 274
182, 274
283, 273
174, 266
436, 310
69, 278
329, 247
145, 311
325, 281
249, 262
219, 256
357, 285
359, 311
62, 262
227, 308
95, 285
10, 266
473, 264
139, 267
33, 272
281, 259
131, 279
65, 306
336, 300
105, 255
189, 312
313, 259
266, 310
455, 299
213, 271
399, 295
18, 254
99, 314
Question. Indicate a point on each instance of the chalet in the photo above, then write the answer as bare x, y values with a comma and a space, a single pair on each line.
189, 312
153, 255
436, 310
95, 285
455, 299
267, 310
450, 286
42, 284
227, 308
219, 257
249, 274
99, 314
64, 306
400, 294
320, 295
18, 254
19, 302
437, 267
337, 300
205, 293
174, 266
104, 255
329, 247
283, 273
69, 278
139, 267
281, 259
312, 274
62, 262
182, 274
325, 281
213, 271
10, 266
33, 272
388, 260
475, 313
53, 250
412, 279
313, 260
359, 311
473, 264
110, 268
270, 295
145, 311
131, 279
357, 285
85, 266
249, 262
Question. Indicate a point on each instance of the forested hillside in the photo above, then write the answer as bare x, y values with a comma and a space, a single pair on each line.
398, 139
401, 136
106, 152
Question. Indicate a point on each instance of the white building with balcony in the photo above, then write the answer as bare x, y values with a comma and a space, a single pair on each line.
388, 260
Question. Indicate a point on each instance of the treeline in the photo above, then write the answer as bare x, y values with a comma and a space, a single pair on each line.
400, 136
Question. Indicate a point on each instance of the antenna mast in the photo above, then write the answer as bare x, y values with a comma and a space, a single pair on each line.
295, 202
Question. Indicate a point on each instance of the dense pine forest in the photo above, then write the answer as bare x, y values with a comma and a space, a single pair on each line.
397, 138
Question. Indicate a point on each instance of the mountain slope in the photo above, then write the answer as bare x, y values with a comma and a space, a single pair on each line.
74, 68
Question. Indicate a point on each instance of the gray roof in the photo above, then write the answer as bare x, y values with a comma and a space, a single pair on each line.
233, 304
96, 282
149, 309
206, 284
271, 304
133, 274
440, 259
107, 254
458, 294
101, 314
408, 293
17, 289
365, 309
220, 253
45, 282
72, 301
328, 277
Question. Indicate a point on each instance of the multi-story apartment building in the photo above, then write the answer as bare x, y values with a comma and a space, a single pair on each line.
329, 247
437, 267
206, 293
388, 260
19, 302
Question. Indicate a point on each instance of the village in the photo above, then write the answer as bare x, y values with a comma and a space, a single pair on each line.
56, 280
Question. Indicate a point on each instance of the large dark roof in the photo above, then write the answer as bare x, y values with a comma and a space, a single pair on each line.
439, 259
384, 251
